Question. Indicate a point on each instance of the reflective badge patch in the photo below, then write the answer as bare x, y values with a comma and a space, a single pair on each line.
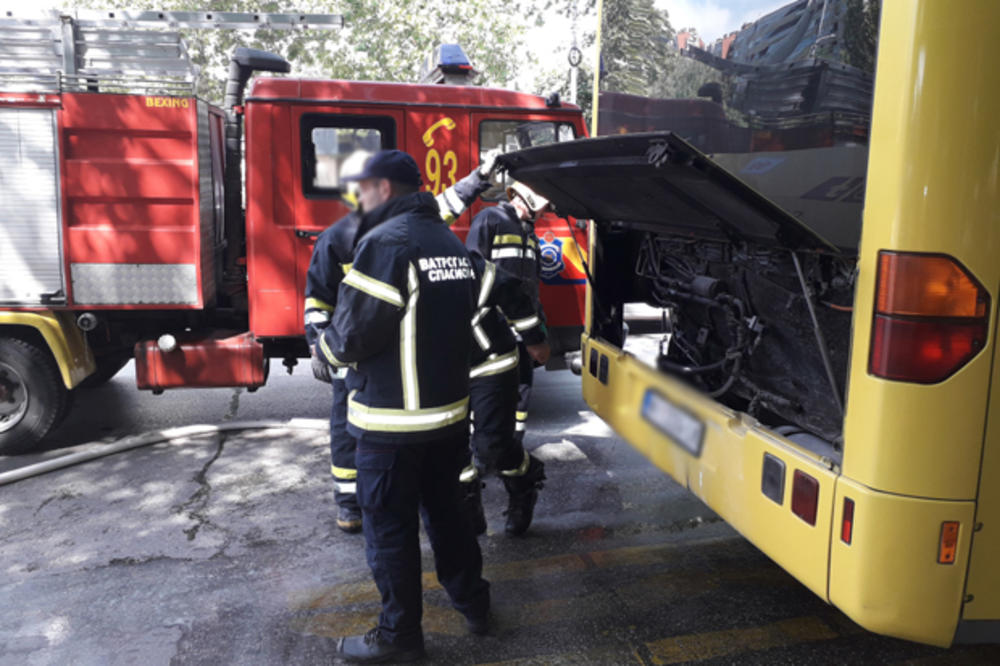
552, 256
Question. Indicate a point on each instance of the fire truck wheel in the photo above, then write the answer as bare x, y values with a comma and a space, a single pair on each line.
32, 395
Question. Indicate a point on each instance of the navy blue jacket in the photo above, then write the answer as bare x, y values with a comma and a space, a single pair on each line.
396, 325
334, 251
494, 347
500, 236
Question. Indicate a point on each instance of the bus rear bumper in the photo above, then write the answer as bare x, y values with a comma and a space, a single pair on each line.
887, 579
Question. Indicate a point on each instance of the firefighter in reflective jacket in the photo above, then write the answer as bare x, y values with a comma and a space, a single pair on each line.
505, 234
331, 260
494, 396
408, 401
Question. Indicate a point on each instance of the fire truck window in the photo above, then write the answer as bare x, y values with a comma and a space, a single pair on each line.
334, 146
334, 150
511, 135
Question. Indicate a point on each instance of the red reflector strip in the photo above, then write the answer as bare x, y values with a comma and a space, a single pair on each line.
949, 542
805, 496
923, 351
847, 524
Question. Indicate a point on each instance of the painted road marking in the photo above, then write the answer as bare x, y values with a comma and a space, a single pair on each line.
711, 644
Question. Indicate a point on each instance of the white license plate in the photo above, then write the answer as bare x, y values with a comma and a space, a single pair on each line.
676, 423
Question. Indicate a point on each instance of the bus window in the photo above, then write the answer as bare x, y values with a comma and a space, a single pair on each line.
511, 135
329, 141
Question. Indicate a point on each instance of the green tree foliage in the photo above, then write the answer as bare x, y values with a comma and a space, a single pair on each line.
381, 41
636, 45
861, 33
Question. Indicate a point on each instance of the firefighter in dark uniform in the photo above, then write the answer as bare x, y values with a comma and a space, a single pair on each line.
331, 260
493, 390
505, 234
410, 281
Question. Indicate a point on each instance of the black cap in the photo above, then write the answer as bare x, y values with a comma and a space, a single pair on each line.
394, 165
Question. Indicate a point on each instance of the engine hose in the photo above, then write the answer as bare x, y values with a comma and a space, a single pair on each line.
666, 364
733, 376
100, 450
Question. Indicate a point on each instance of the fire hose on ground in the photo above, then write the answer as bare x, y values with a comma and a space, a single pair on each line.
147, 439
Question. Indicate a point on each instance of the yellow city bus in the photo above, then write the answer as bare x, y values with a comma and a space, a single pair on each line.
832, 404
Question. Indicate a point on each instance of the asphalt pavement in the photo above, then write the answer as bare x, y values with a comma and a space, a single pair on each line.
222, 549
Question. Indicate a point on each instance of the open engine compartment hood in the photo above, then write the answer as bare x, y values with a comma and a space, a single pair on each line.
657, 181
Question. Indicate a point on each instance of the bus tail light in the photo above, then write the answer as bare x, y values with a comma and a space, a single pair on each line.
949, 542
805, 496
847, 523
930, 317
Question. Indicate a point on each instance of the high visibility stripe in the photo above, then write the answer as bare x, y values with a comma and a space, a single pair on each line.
507, 239
495, 365
408, 342
468, 474
316, 304
317, 317
448, 201
405, 420
481, 338
346, 268
345, 473
373, 287
518, 471
507, 253
533, 242
521, 416
489, 275
478, 332
346, 488
328, 353
520, 426
526, 323
529, 253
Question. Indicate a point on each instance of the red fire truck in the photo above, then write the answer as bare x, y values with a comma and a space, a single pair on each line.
131, 225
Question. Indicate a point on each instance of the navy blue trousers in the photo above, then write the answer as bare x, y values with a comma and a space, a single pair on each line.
395, 482
494, 400
342, 447
526, 377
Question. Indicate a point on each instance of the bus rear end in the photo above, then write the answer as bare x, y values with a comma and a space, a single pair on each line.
830, 402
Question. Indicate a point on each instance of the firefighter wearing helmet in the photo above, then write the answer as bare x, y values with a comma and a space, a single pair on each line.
505, 235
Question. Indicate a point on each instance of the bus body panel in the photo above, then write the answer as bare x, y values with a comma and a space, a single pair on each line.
888, 579
933, 186
983, 585
727, 475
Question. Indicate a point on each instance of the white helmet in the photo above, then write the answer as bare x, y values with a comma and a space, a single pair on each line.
534, 201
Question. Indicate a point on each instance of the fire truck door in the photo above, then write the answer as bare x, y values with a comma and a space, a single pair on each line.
332, 141
30, 230
438, 140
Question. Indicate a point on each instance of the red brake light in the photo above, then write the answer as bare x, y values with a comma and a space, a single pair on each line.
847, 523
805, 496
930, 318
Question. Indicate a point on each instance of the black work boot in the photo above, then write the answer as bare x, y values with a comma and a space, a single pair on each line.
472, 505
373, 648
349, 518
523, 494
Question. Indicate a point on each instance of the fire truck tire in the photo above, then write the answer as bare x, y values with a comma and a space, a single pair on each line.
33, 398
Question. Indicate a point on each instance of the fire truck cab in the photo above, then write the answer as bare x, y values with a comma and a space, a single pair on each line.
132, 227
